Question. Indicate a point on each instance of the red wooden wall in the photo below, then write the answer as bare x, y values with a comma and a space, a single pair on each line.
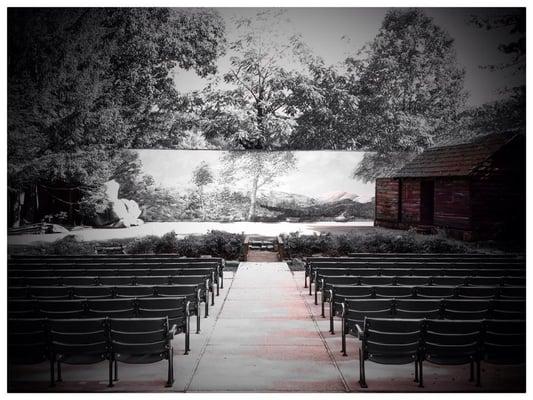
410, 214
387, 200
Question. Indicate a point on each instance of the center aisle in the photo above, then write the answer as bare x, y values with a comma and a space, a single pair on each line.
265, 339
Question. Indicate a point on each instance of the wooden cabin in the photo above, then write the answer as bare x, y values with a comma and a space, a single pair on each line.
472, 191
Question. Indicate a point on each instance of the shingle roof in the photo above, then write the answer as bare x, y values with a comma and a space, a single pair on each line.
456, 160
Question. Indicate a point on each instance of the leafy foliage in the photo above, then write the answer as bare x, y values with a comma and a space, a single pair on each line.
254, 113
214, 243
374, 242
514, 21
84, 83
410, 86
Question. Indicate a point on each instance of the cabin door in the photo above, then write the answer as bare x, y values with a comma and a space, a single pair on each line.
427, 201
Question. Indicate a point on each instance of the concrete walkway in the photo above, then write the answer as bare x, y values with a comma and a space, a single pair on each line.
265, 339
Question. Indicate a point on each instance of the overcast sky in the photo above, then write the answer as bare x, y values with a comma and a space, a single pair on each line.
317, 173
323, 28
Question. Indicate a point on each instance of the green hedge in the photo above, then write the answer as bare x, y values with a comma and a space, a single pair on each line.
214, 243
341, 245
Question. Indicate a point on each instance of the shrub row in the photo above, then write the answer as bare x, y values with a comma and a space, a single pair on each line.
214, 243
330, 245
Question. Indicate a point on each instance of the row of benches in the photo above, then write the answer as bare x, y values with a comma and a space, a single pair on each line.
467, 308
340, 294
67, 290
442, 342
94, 340
414, 261
354, 311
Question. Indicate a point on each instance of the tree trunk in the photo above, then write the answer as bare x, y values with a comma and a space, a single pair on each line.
253, 198
202, 205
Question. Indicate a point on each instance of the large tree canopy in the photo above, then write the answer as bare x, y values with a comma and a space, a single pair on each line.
251, 109
87, 79
409, 86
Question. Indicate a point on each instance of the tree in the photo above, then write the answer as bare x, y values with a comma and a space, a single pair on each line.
509, 113
201, 177
409, 86
325, 109
513, 21
256, 170
87, 82
253, 112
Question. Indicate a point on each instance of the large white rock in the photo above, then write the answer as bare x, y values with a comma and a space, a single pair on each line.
126, 211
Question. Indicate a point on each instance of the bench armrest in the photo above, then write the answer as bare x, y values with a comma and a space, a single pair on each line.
360, 332
343, 310
172, 332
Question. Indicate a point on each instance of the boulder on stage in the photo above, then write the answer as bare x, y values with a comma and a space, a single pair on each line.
122, 213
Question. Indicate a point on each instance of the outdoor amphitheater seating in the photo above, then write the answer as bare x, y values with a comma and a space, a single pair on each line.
435, 292
94, 292
386, 341
453, 343
112, 308
504, 342
22, 309
141, 341
354, 311
451, 264
376, 280
413, 280
466, 309
76, 341
477, 292
415, 308
61, 308
438, 341
513, 292
153, 261
27, 341
396, 292
49, 292
116, 280
93, 340
177, 310
137, 291
340, 275
90, 340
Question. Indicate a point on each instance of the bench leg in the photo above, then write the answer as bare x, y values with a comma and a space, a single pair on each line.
52, 371
316, 294
212, 295
323, 305
198, 318
478, 367
310, 292
116, 371
59, 378
207, 305
331, 322
222, 279
110, 383
343, 337
187, 338
416, 371
421, 374
362, 378
305, 280
170, 378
